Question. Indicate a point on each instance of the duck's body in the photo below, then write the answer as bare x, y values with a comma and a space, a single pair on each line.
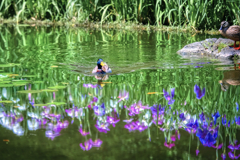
230, 32
101, 67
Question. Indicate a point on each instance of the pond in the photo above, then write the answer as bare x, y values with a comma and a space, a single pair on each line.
154, 104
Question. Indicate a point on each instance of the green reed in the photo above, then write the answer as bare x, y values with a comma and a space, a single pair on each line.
199, 14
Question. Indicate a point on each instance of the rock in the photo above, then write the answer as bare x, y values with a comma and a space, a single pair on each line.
219, 41
207, 43
210, 47
195, 48
228, 53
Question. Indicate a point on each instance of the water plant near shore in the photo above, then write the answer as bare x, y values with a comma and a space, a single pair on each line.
197, 14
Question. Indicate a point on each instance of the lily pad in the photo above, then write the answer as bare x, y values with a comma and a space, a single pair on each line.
28, 76
19, 84
30, 91
39, 105
21, 81
6, 85
57, 87
6, 101
7, 65
50, 90
38, 82
2, 82
56, 103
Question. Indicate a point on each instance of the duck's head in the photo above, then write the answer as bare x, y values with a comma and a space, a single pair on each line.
100, 63
224, 24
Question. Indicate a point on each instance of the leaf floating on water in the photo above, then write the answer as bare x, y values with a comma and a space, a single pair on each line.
37, 82
30, 91
49, 90
7, 65
29, 76
39, 105
56, 103
57, 87
6, 85
6, 101
16, 106
2, 82
54, 66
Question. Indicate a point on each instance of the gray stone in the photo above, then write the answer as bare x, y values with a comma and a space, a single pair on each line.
207, 43
193, 48
209, 47
221, 40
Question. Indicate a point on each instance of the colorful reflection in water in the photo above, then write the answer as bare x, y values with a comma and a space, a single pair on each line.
165, 110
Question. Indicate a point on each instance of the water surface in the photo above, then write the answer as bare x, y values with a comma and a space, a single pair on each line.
154, 105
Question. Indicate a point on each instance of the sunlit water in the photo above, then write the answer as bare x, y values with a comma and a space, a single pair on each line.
155, 104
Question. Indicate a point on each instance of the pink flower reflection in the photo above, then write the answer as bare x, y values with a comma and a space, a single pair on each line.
83, 133
97, 143
170, 145
87, 145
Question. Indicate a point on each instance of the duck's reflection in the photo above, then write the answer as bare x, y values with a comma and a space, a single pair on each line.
230, 78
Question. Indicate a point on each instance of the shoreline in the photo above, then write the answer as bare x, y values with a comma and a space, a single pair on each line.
108, 25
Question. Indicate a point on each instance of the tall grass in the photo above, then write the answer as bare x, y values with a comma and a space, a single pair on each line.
200, 14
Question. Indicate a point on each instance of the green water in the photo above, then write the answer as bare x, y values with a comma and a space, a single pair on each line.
44, 73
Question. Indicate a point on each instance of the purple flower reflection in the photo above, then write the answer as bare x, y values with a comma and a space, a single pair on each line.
97, 143
215, 117
90, 85
218, 146
112, 120
182, 117
135, 126
197, 152
87, 145
170, 145
99, 111
234, 146
128, 120
173, 138
169, 97
198, 66
136, 108
74, 112
206, 137
200, 93
232, 156
83, 133
123, 96
223, 156
51, 134
131, 126
160, 119
192, 126
102, 127
155, 108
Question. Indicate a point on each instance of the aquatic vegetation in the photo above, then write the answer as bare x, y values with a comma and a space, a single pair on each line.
195, 14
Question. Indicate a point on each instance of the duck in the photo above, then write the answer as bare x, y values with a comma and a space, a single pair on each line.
230, 32
101, 67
